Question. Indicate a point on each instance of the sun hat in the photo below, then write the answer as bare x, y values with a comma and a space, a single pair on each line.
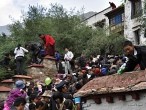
47, 93
20, 84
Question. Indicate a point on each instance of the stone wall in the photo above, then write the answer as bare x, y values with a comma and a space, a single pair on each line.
3, 95
128, 104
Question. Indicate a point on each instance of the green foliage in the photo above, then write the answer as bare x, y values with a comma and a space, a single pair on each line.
67, 29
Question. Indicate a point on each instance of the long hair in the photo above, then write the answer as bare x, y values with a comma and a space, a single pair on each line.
18, 46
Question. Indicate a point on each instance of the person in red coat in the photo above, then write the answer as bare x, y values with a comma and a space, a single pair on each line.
49, 44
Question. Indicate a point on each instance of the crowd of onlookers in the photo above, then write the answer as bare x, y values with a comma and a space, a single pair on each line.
56, 93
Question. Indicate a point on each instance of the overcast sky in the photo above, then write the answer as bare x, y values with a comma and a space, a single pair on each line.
13, 8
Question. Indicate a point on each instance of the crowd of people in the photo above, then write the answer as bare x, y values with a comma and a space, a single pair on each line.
56, 93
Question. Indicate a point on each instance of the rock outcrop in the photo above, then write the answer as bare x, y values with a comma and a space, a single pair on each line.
46, 69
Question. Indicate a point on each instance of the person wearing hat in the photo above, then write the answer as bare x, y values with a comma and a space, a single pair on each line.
14, 94
62, 88
46, 99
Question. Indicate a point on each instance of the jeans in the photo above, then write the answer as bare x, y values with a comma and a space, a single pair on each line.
19, 65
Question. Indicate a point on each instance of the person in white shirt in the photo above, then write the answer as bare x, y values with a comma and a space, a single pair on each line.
68, 57
19, 57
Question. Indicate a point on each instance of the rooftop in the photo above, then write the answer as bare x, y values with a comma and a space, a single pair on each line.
22, 76
131, 81
7, 81
4, 89
97, 13
115, 11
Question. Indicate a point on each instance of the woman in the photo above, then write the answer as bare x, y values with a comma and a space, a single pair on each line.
19, 57
14, 94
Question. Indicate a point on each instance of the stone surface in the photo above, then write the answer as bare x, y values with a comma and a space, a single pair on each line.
7, 83
114, 83
48, 70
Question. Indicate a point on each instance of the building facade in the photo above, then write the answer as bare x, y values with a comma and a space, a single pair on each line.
133, 29
126, 20
98, 19
116, 20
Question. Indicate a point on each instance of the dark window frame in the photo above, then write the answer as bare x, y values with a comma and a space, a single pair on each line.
136, 8
117, 19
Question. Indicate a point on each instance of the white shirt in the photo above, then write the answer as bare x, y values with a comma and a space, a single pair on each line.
135, 52
19, 52
68, 56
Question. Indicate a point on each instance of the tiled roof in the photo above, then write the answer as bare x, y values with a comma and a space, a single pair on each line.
4, 89
7, 81
22, 76
125, 82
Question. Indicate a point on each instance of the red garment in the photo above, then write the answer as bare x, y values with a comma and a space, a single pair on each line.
50, 50
49, 40
49, 44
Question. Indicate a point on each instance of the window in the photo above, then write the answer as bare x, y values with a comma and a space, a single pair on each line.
145, 33
116, 20
100, 24
137, 37
136, 9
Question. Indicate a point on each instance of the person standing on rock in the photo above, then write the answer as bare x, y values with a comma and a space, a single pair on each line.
49, 44
68, 58
19, 57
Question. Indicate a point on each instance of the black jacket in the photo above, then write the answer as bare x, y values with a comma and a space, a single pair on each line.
140, 59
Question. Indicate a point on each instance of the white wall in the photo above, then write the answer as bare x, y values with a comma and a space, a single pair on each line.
129, 104
130, 25
98, 17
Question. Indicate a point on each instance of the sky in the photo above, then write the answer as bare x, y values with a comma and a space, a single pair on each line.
11, 10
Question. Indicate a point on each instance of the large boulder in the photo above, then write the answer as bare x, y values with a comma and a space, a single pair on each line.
41, 71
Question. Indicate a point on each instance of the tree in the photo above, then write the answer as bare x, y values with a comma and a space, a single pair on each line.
65, 26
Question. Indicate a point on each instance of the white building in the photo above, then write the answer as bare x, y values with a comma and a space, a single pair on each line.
116, 20
133, 24
125, 19
98, 19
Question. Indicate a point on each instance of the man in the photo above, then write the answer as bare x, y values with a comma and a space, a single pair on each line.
46, 99
49, 44
136, 56
68, 58
20, 103
82, 61
19, 57
57, 57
